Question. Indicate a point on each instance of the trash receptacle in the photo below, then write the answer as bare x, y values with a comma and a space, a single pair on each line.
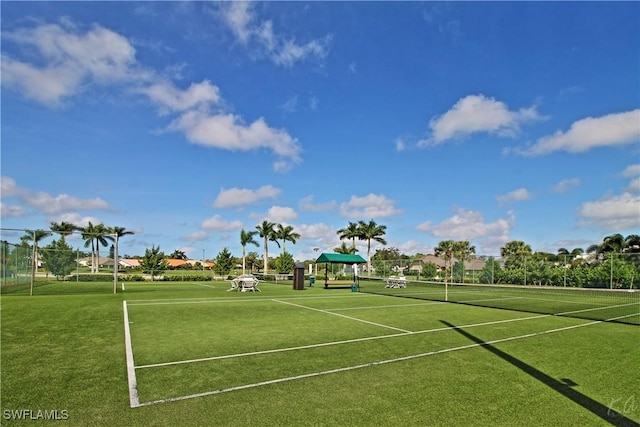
298, 277
312, 280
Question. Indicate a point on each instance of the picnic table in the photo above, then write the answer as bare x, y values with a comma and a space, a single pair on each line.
244, 283
396, 282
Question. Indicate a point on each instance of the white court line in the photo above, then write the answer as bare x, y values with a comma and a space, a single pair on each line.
342, 315
471, 301
332, 343
388, 306
254, 298
367, 365
134, 400
601, 308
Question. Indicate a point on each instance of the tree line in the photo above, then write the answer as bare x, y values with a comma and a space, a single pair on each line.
59, 257
513, 269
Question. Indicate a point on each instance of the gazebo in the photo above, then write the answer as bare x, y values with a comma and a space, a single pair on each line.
334, 258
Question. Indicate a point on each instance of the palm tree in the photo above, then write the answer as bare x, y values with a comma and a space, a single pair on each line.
95, 235
515, 253
87, 234
35, 236
344, 249
445, 249
463, 250
118, 232
267, 230
613, 243
286, 233
178, 254
371, 231
246, 237
349, 232
632, 243
103, 237
564, 254
63, 228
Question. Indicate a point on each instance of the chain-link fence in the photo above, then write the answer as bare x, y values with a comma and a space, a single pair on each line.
15, 264
606, 270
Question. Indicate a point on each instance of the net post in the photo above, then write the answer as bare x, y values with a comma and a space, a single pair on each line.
34, 262
115, 264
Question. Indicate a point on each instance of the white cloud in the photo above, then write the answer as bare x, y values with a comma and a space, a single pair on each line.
11, 211
631, 171
469, 225
75, 219
46, 203
170, 98
281, 214
400, 144
319, 231
291, 104
621, 212
289, 52
238, 17
306, 204
227, 131
313, 103
634, 186
369, 207
566, 185
197, 236
69, 58
477, 113
260, 36
8, 187
411, 247
70, 61
62, 203
610, 130
217, 224
321, 236
514, 196
244, 196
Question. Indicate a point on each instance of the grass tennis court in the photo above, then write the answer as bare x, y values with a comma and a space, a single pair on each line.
195, 354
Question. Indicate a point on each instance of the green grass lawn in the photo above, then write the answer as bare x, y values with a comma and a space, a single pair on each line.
327, 357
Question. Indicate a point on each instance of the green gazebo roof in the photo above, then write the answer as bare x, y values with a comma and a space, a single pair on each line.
340, 259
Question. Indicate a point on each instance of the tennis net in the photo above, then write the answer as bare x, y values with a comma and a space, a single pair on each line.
622, 306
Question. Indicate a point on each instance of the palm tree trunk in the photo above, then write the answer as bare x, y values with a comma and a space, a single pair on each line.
97, 256
243, 258
266, 255
369, 257
93, 257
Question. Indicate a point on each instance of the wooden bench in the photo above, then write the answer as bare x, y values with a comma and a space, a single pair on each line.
338, 283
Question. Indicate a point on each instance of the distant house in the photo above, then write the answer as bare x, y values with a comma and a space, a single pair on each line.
470, 265
102, 262
175, 263
189, 263
474, 265
199, 263
129, 263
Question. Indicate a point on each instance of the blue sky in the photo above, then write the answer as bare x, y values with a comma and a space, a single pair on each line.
188, 121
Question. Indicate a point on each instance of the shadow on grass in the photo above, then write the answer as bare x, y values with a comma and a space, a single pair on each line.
563, 386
